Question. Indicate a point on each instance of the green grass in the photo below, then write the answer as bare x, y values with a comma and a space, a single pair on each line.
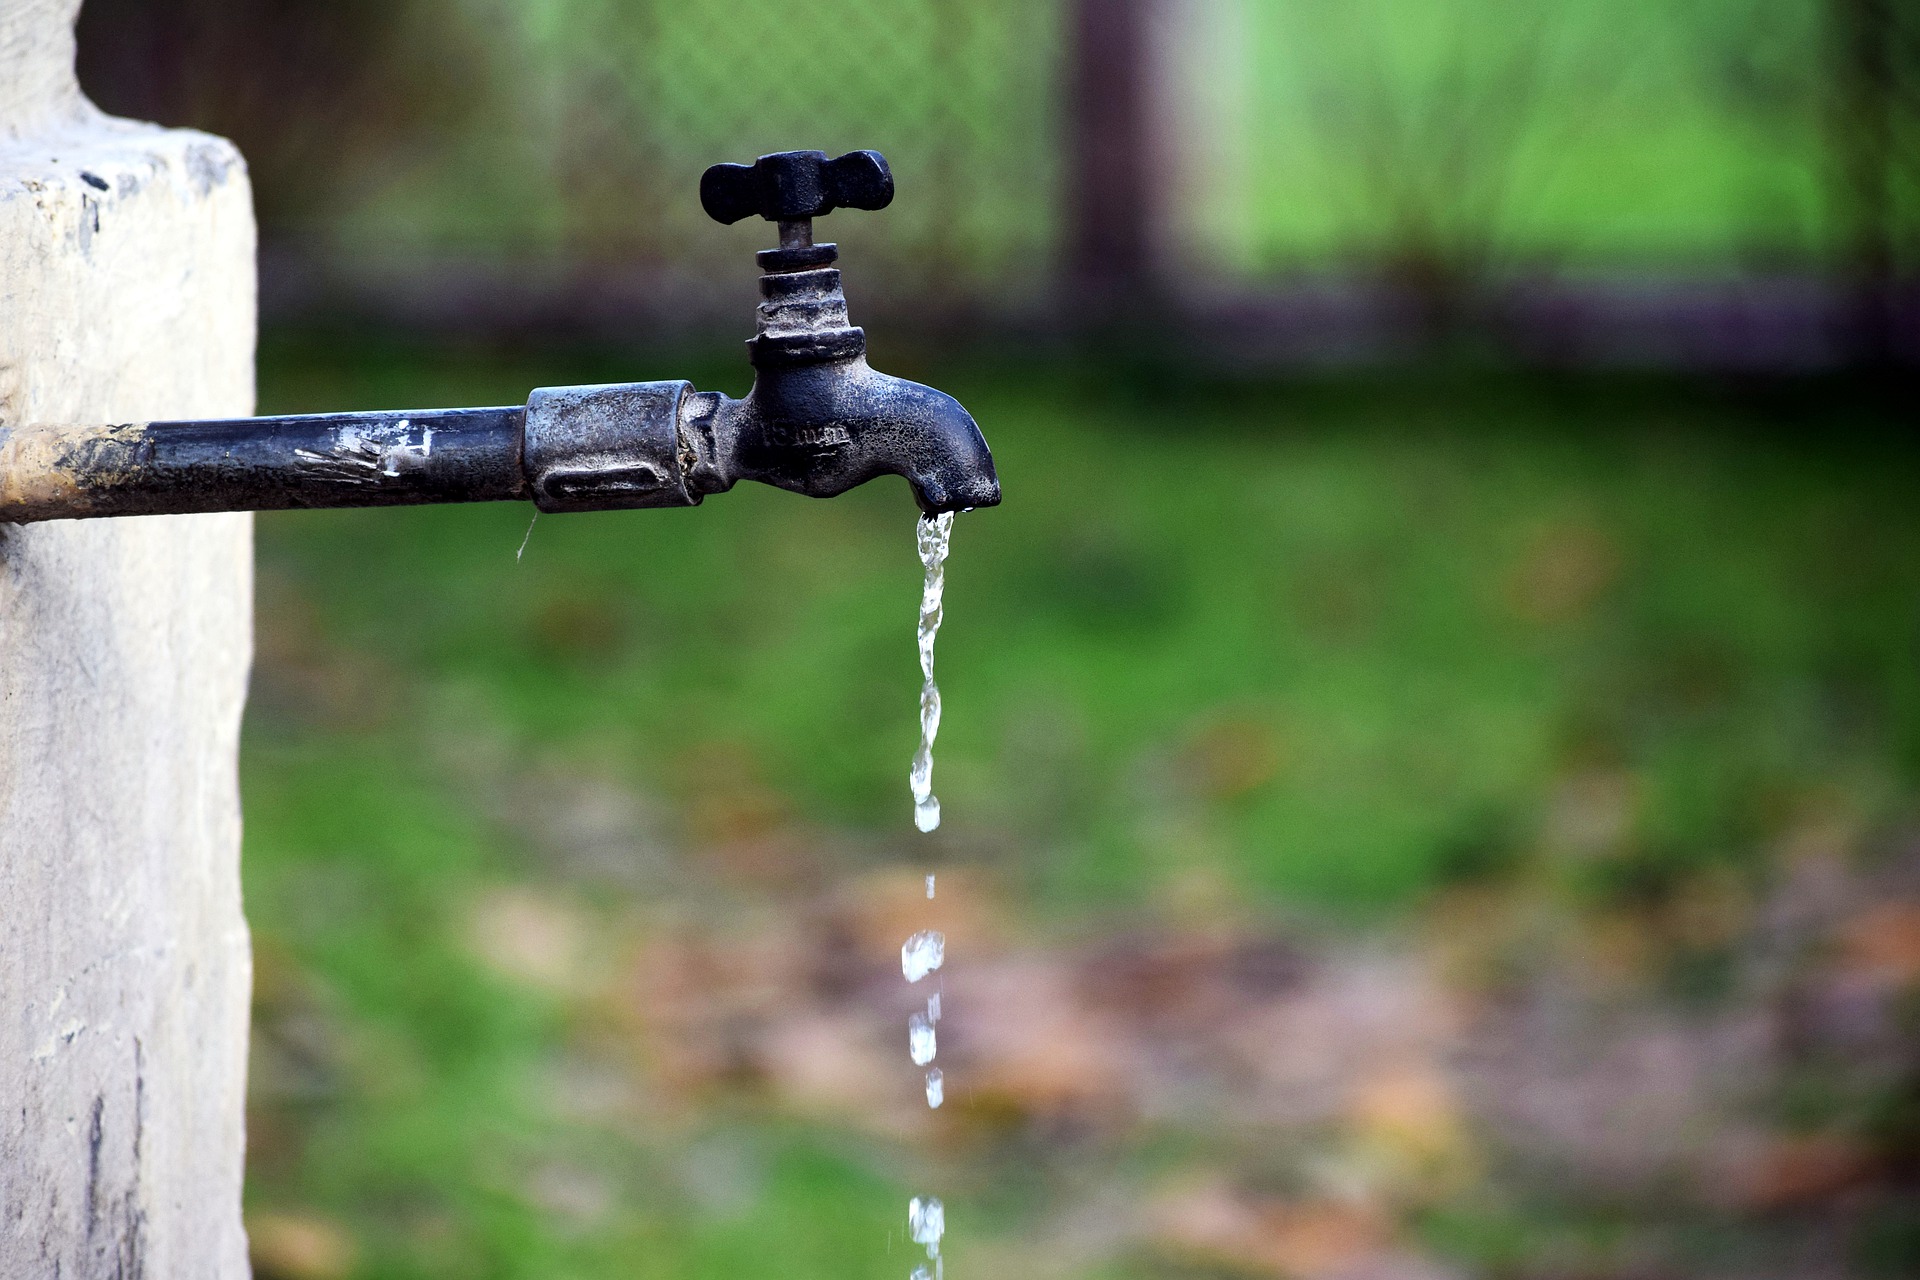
1317, 651
1418, 611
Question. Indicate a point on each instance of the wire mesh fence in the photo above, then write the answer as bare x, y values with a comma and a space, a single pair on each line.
956, 93
568, 137
622, 107
1429, 153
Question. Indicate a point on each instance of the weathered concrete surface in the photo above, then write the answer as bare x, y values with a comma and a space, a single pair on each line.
126, 293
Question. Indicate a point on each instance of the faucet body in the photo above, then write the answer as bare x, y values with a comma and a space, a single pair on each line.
818, 421
821, 420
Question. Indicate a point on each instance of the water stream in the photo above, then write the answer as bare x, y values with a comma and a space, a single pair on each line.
935, 534
926, 951
921, 955
926, 1223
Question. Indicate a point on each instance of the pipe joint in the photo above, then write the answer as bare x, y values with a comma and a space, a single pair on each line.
606, 448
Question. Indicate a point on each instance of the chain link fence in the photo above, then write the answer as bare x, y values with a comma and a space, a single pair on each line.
490, 150
956, 94
508, 157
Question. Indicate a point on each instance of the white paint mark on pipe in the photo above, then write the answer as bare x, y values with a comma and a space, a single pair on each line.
361, 451
400, 454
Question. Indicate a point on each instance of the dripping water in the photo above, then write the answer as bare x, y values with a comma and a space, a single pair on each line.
935, 533
921, 954
926, 1223
926, 951
921, 1045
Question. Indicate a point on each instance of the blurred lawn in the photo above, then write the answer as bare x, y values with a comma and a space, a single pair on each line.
1317, 653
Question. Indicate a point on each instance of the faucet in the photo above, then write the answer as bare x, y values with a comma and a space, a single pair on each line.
818, 421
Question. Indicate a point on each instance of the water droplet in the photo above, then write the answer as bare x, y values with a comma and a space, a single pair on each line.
929, 888
920, 1044
933, 1007
936, 1088
921, 954
926, 813
926, 1223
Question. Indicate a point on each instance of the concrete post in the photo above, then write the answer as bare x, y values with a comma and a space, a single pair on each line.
126, 293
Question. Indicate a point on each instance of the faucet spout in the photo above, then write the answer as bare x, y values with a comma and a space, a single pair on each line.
822, 428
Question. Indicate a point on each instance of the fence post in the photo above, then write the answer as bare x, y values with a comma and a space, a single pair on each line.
1113, 183
1865, 33
126, 293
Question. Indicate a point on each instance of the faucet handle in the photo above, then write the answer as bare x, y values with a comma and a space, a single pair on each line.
792, 186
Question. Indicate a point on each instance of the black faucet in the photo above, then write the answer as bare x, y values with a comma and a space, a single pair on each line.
818, 421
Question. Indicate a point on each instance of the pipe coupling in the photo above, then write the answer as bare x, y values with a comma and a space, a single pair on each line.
602, 448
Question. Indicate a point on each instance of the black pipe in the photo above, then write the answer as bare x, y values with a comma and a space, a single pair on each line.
263, 464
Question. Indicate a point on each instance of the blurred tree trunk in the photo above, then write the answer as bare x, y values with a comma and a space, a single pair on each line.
1111, 178
944, 260
1875, 86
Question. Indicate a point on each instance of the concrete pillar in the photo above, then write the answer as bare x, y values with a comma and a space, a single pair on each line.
126, 293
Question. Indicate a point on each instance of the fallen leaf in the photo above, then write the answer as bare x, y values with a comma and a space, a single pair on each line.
539, 940
298, 1245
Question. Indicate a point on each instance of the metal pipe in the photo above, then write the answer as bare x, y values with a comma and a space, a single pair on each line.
262, 464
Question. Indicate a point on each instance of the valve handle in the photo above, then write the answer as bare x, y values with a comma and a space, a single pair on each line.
789, 186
